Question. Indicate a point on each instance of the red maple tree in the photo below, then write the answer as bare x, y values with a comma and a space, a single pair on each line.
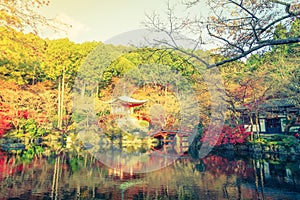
229, 135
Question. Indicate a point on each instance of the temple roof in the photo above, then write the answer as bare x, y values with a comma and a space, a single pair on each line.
285, 102
130, 100
125, 100
275, 103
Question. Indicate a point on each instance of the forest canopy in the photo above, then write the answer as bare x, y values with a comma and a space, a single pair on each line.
39, 75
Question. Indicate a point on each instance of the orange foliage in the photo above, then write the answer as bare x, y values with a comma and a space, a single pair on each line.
36, 102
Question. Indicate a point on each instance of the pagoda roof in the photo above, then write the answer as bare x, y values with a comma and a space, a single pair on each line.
128, 101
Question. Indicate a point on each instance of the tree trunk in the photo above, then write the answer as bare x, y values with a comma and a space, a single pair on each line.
83, 89
252, 125
97, 90
59, 104
254, 163
262, 181
55, 179
62, 98
60, 109
257, 124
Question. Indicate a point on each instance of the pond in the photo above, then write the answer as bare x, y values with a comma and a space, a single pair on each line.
79, 175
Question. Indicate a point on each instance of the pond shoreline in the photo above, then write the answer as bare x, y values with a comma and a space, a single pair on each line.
252, 149
260, 150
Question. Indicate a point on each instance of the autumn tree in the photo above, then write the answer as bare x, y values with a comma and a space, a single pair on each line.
285, 59
21, 55
239, 27
61, 66
272, 75
23, 15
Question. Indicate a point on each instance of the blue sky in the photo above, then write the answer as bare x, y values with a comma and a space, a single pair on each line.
100, 19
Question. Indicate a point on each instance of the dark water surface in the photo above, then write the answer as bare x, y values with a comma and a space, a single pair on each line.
70, 175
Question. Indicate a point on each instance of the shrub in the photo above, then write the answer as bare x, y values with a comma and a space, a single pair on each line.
4, 124
229, 135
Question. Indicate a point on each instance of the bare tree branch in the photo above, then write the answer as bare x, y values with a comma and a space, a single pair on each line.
241, 27
243, 8
262, 44
223, 39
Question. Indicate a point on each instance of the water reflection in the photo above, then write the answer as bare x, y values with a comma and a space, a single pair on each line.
78, 175
138, 152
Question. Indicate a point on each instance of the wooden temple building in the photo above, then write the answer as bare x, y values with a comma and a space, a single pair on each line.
273, 116
125, 105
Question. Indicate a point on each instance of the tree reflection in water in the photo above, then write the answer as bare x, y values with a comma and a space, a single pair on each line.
70, 175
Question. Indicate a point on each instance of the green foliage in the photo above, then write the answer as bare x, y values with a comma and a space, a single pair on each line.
115, 133
200, 129
75, 164
31, 152
28, 59
96, 67
144, 123
77, 117
29, 128
290, 141
276, 141
21, 57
